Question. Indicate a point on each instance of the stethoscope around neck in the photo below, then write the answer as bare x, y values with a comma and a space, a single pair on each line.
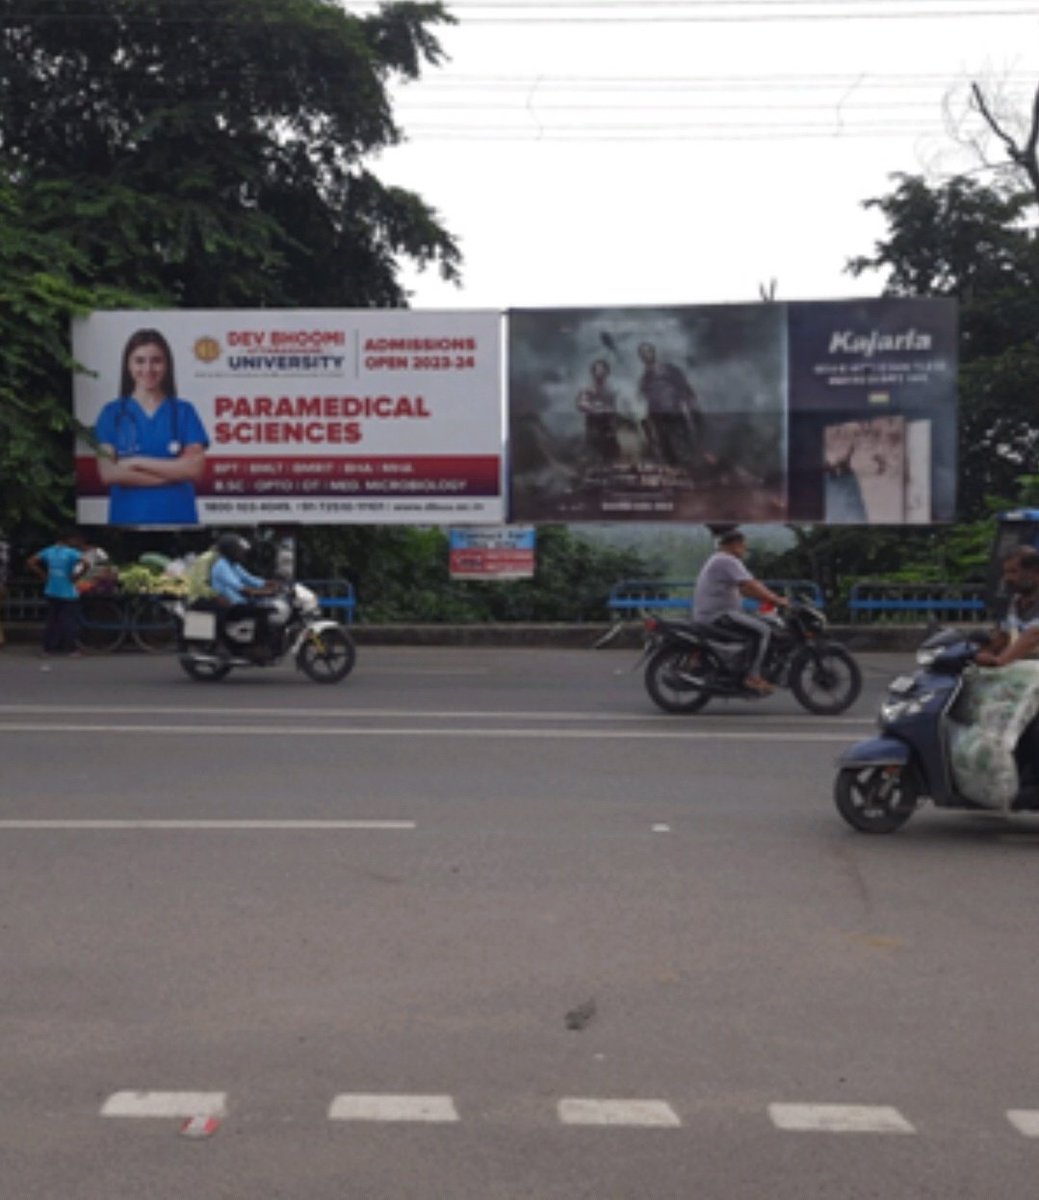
126, 413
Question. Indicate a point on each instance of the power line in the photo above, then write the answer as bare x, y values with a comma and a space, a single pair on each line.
698, 15
654, 134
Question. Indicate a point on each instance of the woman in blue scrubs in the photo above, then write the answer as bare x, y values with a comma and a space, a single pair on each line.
151, 444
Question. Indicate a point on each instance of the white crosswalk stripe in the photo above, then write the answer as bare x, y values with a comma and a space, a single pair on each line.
165, 1104
375, 1107
577, 1111
839, 1118
1024, 1120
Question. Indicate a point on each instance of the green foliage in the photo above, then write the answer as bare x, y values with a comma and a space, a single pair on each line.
37, 301
215, 156
972, 242
401, 574
153, 154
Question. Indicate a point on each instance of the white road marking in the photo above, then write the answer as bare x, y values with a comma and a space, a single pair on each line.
839, 1118
1024, 1120
661, 829
269, 731
326, 714
165, 1104
643, 1113
427, 671
382, 1107
320, 826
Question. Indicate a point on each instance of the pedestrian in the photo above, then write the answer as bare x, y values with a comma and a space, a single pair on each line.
5, 570
59, 565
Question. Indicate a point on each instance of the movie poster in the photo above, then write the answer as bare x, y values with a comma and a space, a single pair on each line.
675, 414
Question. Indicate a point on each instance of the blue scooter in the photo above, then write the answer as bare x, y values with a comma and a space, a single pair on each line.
882, 781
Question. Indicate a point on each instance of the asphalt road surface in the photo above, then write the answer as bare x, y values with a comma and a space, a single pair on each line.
483, 925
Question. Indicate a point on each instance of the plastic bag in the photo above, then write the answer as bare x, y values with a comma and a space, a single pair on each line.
994, 708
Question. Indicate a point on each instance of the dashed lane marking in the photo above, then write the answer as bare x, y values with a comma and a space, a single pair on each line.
165, 1104
1024, 1120
366, 1106
838, 1118
641, 1113
207, 1109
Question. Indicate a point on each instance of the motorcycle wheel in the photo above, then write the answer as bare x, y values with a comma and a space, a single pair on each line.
203, 672
826, 682
875, 799
667, 689
328, 656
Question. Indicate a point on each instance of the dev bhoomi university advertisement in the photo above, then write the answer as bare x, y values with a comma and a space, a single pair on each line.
289, 416
838, 412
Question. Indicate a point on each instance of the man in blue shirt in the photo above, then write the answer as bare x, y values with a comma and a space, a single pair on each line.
59, 566
235, 586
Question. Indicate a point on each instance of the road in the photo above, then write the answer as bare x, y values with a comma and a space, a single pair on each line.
483, 925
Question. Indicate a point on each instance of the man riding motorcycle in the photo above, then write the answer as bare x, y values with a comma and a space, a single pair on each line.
722, 583
235, 586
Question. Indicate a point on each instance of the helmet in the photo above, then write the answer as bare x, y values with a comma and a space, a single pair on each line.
232, 546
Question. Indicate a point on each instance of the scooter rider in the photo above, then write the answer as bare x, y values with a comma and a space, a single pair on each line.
235, 586
722, 583
1017, 637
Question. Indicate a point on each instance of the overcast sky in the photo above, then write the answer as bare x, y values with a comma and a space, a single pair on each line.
687, 151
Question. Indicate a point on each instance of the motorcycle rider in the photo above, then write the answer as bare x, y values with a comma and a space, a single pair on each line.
235, 586
1017, 636
717, 599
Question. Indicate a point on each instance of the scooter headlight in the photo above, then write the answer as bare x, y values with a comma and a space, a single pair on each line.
894, 708
928, 654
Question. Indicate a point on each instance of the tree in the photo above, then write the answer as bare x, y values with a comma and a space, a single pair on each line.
37, 301
212, 151
190, 153
401, 573
1023, 154
972, 242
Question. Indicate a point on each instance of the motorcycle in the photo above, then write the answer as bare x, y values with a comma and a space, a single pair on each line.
881, 782
688, 663
322, 648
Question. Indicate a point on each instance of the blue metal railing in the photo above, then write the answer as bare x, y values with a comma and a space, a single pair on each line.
631, 597
881, 600
337, 596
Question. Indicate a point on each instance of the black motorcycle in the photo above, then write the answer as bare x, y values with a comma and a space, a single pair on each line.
690, 663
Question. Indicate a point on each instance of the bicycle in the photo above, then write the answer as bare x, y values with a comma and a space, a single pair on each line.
106, 621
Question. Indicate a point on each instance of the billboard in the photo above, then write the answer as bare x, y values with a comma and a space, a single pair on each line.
506, 552
840, 412
270, 416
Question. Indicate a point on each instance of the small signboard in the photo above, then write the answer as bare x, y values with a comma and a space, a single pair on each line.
492, 552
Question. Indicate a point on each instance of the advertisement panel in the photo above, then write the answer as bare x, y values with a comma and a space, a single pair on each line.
289, 416
840, 412
505, 552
